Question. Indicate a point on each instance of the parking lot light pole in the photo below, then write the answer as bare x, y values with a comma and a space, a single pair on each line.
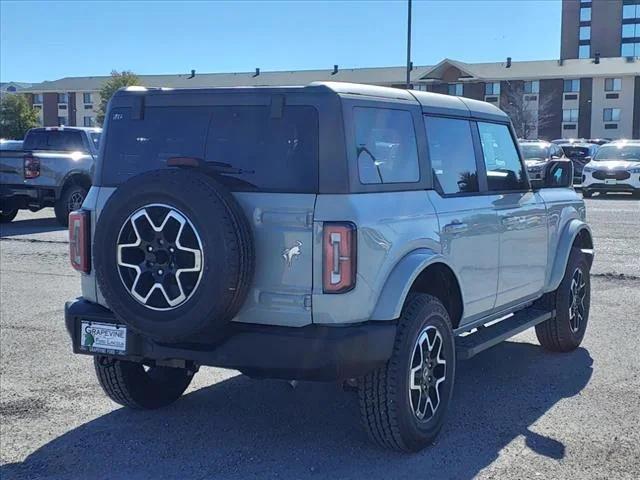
408, 44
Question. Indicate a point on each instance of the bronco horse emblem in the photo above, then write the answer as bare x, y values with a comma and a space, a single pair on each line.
290, 253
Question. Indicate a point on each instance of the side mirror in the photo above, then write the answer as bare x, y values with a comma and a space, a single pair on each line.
555, 174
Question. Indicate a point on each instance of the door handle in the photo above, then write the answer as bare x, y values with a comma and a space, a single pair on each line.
456, 227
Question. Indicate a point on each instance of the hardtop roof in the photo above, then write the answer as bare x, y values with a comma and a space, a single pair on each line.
431, 102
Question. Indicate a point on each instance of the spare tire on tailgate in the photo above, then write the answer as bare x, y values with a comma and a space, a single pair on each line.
173, 255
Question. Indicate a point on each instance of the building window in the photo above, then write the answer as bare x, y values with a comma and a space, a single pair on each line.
37, 98
612, 84
631, 30
88, 122
62, 121
455, 89
86, 97
585, 14
492, 88
584, 51
532, 86
585, 33
630, 50
63, 98
571, 85
88, 107
570, 115
611, 114
630, 11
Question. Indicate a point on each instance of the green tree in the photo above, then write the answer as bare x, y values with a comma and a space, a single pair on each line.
16, 116
117, 80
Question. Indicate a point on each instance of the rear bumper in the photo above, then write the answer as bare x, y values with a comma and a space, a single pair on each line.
25, 196
307, 353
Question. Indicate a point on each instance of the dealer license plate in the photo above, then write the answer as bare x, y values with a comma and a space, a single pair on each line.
610, 181
103, 337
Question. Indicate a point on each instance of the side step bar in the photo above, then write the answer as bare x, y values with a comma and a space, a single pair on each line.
487, 337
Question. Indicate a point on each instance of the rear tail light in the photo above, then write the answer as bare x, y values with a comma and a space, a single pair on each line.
31, 166
79, 240
339, 257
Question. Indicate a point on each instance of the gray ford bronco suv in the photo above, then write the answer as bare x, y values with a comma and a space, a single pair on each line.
327, 232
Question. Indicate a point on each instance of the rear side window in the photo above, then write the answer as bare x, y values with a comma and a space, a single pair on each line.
276, 153
58, 140
452, 155
386, 146
504, 169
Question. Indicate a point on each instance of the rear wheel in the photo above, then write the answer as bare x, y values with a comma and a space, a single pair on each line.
7, 216
132, 385
565, 331
71, 199
403, 404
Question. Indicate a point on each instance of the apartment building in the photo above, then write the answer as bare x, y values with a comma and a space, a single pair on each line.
567, 98
605, 28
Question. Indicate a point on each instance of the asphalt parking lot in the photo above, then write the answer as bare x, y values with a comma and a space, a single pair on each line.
518, 411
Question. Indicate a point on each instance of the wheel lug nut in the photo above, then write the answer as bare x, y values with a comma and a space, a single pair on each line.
160, 272
150, 248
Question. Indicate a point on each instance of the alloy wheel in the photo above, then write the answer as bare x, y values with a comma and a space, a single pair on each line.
428, 372
577, 294
159, 257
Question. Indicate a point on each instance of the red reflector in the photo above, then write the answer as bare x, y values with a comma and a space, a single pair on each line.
339, 257
79, 240
31, 166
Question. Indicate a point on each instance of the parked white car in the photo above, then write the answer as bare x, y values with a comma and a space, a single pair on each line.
614, 168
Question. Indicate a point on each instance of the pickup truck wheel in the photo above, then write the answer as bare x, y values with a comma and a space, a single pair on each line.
403, 404
71, 199
566, 330
7, 216
586, 193
132, 385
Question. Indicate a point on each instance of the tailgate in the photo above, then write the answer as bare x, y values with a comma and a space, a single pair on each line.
282, 225
11, 168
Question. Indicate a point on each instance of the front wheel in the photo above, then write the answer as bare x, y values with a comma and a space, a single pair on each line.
403, 404
6, 216
565, 331
71, 199
133, 385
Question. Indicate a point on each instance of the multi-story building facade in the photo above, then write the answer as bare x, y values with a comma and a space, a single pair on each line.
605, 28
562, 98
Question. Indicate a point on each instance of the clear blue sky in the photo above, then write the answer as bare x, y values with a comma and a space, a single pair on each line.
49, 40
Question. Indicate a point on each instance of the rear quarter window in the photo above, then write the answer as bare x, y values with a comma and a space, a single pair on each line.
278, 153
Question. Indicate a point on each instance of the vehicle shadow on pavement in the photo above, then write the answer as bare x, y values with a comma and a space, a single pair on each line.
242, 428
29, 227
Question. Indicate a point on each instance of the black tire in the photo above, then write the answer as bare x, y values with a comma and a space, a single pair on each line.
71, 199
130, 385
563, 333
8, 215
386, 400
225, 243
586, 193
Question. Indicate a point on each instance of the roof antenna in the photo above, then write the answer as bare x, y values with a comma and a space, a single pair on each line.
335, 70
257, 72
508, 62
193, 74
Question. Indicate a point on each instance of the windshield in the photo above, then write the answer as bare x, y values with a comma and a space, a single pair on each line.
534, 152
576, 152
618, 152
